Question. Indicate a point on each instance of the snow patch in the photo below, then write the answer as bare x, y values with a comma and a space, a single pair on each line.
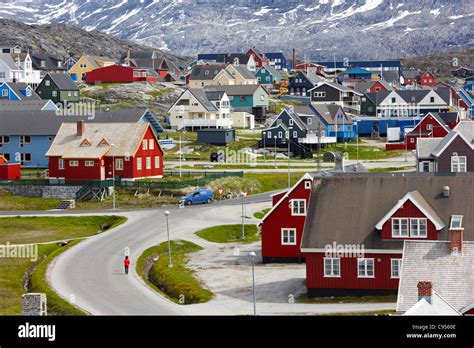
262, 11
435, 12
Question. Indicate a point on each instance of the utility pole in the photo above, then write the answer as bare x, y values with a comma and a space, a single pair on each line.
319, 146
289, 140
170, 264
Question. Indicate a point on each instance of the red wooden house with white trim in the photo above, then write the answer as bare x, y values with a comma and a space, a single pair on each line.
426, 79
120, 73
282, 226
88, 151
356, 227
260, 59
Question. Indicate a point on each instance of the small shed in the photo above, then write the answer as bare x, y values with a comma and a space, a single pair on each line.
9, 171
215, 136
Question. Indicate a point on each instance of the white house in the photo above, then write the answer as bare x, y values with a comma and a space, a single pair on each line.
13, 69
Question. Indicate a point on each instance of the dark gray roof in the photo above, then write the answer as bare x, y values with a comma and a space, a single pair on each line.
51, 62
200, 94
230, 58
328, 112
415, 95
199, 71
347, 207
63, 81
234, 89
390, 76
36, 122
410, 74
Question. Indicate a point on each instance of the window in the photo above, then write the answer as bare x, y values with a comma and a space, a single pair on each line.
310, 120
319, 94
394, 100
288, 236
291, 121
61, 164
426, 167
280, 134
54, 93
25, 157
269, 135
139, 163
267, 78
259, 79
365, 268
243, 98
456, 222
395, 267
4, 139
307, 185
50, 138
418, 228
73, 163
148, 163
76, 93
332, 267
6, 155
24, 139
399, 227
145, 145
5, 93
47, 83
2, 75
295, 134
157, 161
458, 164
298, 207
151, 144
89, 163
412, 140
69, 93
432, 100
118, 164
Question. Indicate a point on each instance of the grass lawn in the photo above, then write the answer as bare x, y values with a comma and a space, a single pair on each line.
230, 234
12, 202
274, 181
390, 169
261, 214
177, 283
26, 230
15, 272
365, 152
238, 166
347, 299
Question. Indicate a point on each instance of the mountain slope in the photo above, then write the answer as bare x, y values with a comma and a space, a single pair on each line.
58, 39
349, 28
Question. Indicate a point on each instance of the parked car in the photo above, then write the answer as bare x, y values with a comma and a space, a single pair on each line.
197, 197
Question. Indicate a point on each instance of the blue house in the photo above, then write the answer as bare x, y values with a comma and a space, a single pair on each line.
337, 123
277, 60
17, 91
358, 73
25, 136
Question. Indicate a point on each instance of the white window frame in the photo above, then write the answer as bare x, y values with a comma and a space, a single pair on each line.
290, 121
287, 232
144, 144
307, 185
399, 234
399, 266
429, 127
5, 93
148, 162
157, 161
47, 83
296, 204
139, 163
458, 163
456, 218
73, 163
119, 164
418, 222
366, 262
310, 120
319, 94
331, 261
61, 164
269, 135
88, 163
151, 144
280, 134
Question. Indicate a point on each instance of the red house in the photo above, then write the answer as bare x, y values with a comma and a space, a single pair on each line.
426, 79
282, 226
259, 57
356, 227
119, 73
9, 171
99, 151
433, 125
305, 66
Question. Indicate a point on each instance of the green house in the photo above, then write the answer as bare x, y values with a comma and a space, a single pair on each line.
268, 75
59, 88
367, 104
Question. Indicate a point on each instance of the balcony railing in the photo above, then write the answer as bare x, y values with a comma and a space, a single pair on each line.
201, 123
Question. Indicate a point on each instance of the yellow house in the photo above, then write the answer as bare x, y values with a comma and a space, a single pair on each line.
88, 63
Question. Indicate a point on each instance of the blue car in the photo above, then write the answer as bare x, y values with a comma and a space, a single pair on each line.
198, 196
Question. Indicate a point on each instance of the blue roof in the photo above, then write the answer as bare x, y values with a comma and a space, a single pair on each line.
362, 64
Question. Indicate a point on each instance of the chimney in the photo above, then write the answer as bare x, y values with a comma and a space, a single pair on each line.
456, 232
425, 291
446, 191
81, 127
294, 58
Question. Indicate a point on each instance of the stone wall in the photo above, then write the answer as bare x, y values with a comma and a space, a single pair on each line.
63, 192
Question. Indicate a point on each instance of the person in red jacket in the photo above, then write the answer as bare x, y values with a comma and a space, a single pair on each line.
126, 264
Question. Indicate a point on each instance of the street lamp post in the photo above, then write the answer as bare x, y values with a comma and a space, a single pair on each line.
252, 257
170, 264
275, 137
289, 140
